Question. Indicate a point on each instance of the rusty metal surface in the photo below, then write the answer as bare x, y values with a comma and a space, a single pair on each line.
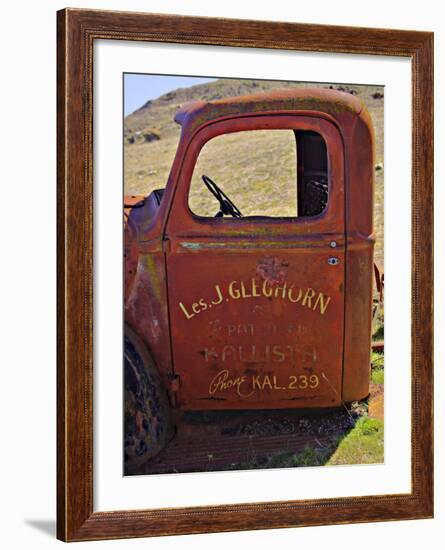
187, 455
317, 100
379, 345
240, 440
379, 277
260, 312
249, 332
236, 440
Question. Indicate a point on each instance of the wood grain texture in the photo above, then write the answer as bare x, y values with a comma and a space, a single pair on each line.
77, 30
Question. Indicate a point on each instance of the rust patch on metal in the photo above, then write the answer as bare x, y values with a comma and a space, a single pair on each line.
224, 441
331, 102
378, 345
272, 269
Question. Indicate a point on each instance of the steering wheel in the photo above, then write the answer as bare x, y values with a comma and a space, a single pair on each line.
226, 206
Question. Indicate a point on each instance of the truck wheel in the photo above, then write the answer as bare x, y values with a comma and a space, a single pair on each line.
148, 425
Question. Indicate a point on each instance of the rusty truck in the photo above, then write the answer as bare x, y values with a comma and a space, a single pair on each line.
240, 309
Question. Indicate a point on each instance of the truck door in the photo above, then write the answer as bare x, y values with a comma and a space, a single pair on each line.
256, 302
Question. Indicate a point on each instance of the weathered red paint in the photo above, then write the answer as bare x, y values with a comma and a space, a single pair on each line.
247, 312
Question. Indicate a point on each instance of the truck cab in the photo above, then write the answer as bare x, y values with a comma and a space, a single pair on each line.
232, 304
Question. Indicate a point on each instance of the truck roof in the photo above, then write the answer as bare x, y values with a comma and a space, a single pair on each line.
334, 102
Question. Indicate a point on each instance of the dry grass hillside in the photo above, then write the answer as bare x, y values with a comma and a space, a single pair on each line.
251, 170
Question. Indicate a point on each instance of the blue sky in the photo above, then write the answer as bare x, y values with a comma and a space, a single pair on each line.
139, 88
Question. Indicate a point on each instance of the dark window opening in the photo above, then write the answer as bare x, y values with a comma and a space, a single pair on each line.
312, 187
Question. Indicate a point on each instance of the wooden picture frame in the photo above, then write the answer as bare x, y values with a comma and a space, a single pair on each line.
77, 31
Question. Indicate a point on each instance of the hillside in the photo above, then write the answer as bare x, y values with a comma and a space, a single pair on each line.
151, 137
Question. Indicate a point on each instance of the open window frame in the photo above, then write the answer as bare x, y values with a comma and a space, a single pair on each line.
77, 31
249, 224
297, 183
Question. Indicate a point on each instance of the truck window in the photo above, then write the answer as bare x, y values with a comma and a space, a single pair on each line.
269, 173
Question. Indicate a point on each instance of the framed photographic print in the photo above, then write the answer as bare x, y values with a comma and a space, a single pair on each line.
238, 200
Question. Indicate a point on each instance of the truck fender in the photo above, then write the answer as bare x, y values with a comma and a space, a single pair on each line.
148, 420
